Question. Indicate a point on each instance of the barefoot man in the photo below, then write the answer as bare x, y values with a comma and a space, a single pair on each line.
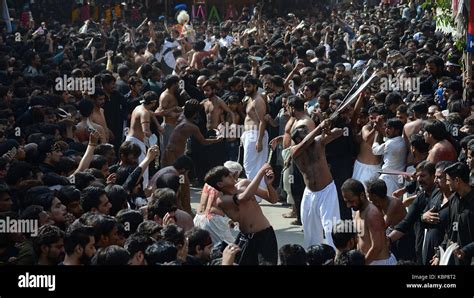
185, 129
257, 238
368, 218
320, 204
140, 126
169, 109
255, 137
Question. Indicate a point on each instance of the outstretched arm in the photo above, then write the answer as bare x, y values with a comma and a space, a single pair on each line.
251, 190
87, 158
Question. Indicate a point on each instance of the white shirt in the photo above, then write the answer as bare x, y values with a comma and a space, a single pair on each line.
226, 42
209, 43
394, 153
168, 57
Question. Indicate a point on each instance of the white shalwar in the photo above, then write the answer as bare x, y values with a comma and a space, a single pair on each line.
319, 211
364, 172
387, 262
216, 225
394, 152
254, 161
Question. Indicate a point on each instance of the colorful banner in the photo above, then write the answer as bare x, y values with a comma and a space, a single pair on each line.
470, 28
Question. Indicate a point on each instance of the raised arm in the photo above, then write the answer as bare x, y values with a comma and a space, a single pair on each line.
89, 154
251, 190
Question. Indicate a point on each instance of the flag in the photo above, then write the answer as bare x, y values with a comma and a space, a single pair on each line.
6, 16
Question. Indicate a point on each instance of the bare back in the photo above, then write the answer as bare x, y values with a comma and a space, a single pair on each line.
313, 166
140, 115
373, 225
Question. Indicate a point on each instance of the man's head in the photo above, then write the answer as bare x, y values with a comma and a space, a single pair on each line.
95, 199
418, 144
323, 100
435, 131
470, 156
129, 153
321, 254
250, 85
49, 245
200, 244
49, 151
70, 196
136, 245
150, 99
299, 133
210, 88
108, 83
457, 176
162, 202
344, 239
220, 178
98, 98
171, 83
43, 196
394, 128
292, 255
184, 164
425, 172
353, 192
440, 175
79, 244
377, 192
295, 105
191, 108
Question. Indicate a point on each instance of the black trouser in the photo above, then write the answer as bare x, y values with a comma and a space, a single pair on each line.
259, 248
297, 189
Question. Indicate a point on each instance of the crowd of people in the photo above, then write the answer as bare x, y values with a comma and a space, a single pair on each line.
292, 109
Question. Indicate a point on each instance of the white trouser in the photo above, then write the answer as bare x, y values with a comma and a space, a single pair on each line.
387, 262
319, 211
141, 157
364, 172
253, 160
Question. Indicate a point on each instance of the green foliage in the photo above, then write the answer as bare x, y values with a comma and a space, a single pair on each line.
445, 18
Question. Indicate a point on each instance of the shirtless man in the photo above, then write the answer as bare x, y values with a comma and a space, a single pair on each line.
420, 111
169, 109
392, 209
299, 118
440, 148
140, 126
97, 115
86, 125
257, 238
185, 129
255, 137
367, 164
372, 240
320, 203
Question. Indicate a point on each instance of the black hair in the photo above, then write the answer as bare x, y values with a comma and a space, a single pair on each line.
68, 194
47, 235
292, 254
351, 258
112, 255
377, 187
321, 254
197, 237
458, 170
161, 252
296, 102
184, 162
80, 236
396, 124
118, 197
437, 129
162, 201
215, 176
131, 219
138, 242
418, 142
173, 234
90, 197
98, 161
353, 186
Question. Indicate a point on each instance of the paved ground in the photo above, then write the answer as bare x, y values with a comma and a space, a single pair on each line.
285, 232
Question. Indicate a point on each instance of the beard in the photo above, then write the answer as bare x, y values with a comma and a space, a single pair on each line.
84, 259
